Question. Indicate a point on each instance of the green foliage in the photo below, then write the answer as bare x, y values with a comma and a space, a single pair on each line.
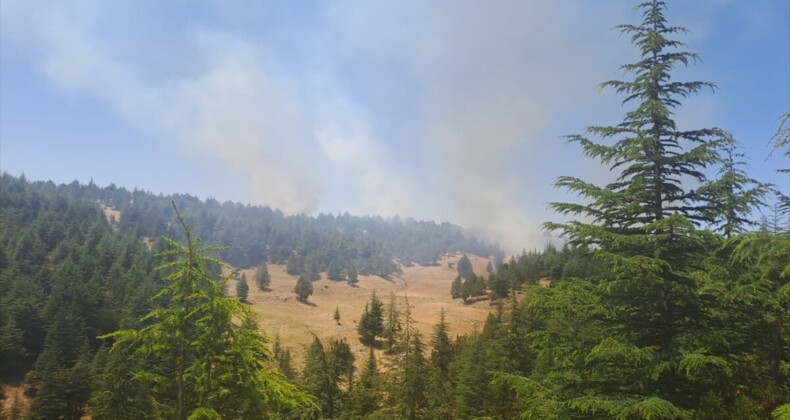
304, 287
295, 265
261, 234
118, 395
464, 267
334, 271
371, 323
262, 277
366, 397
733, 195
442, 347
781, 140
351, 273
455, 288
218, 367
499, 285
782, 412
341, 363
473, 287
677, 322
336, 316
317, 378
242, 288
412, 384
392, 324
282, 358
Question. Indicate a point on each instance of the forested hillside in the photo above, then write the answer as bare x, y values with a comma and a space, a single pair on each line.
669, 300
260, 234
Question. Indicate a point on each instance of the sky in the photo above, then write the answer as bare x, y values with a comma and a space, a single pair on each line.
438, 110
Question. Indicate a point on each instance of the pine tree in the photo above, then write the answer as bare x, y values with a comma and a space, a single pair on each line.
456, 288
781, 140
312, 269
118, 395
352, 276
464, 267
303, 288
210, 366
341, 363
61, 377
295, 265
643, 223
439, 393
392, 325
412, 381
334, 271
262, 277
733, 195
472, 379
371, 323
282, 357
317, 378
365, 399
336, 316
242, 288
442, 348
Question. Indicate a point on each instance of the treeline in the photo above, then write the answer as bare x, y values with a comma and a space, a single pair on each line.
409, 376
66, 277
98, 324
260, 234
72, 283
550, 265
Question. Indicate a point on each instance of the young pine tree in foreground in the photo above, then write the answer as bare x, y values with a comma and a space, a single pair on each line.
200, 362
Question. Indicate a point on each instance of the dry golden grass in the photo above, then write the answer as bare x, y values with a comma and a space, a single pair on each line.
15, 401
111, 213
295, 322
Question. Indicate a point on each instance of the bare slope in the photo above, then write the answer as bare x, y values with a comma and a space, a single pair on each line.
427, 288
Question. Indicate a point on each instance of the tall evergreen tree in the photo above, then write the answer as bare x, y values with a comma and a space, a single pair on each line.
371, 323
211, 367
442, 348
317, 378
392, 324
456, 287
118, 395
334, 271
262, 277
439, 391
61, 375
644, 224
351, 273
303, 287
341, 363
464, 267
412, 381
242, 288
366, 397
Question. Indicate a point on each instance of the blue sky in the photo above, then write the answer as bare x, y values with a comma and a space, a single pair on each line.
436, 110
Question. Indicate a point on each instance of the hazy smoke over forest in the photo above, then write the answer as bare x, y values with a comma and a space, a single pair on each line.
345, 107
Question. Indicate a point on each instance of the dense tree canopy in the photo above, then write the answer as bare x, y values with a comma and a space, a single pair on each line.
663, 304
